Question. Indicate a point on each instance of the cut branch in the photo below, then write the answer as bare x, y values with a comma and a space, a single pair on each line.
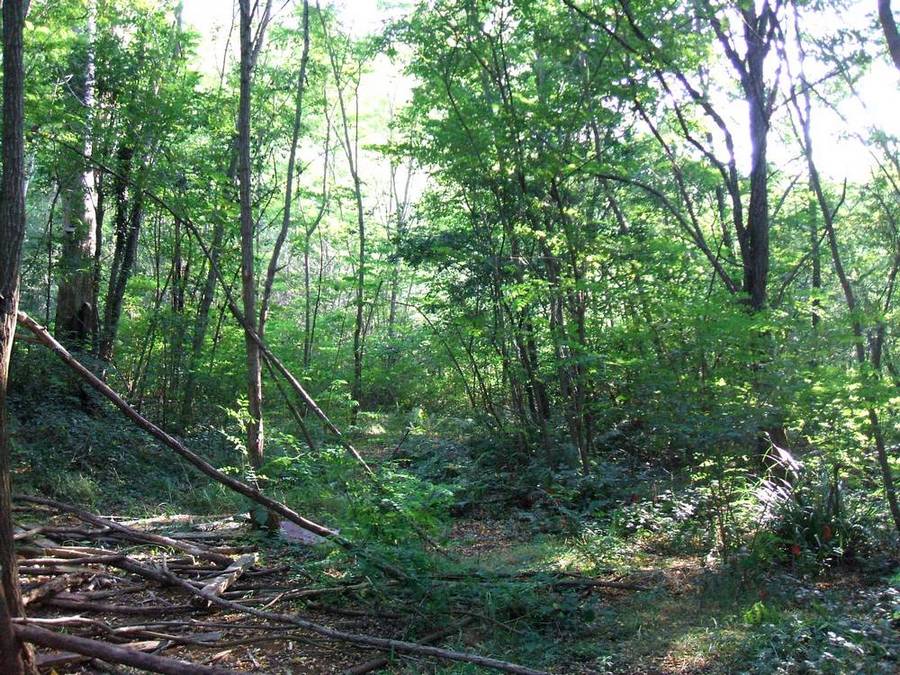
113, 653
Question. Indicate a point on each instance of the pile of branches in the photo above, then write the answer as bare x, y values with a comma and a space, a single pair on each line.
125, 592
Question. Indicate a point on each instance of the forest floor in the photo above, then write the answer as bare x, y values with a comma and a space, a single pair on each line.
655, 607
690, 618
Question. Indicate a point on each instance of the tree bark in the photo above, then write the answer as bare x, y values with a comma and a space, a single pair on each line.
114, 653
890, 30
15, 659
876, 434
248, 274
756, 265
201, 323
74, 309
128, 225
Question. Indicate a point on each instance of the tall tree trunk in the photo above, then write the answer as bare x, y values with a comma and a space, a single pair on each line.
248, 275
890, 30
127, 233
289, 184
74, 308
351, 150
15, 657
756, 264
816, 257
875, 432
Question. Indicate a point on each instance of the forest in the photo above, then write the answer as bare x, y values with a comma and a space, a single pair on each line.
450, 336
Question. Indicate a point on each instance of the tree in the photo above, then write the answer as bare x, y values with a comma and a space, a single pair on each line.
250, 47
870, 365
15, 657
351, 152
886, 15
76, 304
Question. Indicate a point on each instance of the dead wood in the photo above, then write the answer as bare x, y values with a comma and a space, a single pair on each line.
113, 653
49, 571
222, 582
385, 644
83, 560
194, 459
184, 518
83, 605
124, 589
56, 659
382, 660
55, 585
27, 534
127, 532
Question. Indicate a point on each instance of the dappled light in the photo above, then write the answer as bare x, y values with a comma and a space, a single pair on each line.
449, 336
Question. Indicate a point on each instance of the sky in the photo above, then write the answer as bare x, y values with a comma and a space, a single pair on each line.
837, 155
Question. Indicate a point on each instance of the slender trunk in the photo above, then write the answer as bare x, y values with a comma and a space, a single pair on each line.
15, 657
201, 322
74, 311
248, 275
289, 186
756, 264
875, 431
886, 16
351, 152
128, 226
816, 257
97, 275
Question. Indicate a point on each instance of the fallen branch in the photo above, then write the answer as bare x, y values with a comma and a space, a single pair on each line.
113, 653
127, 532
55, 585
222, 582
382, 660
385, 644
191, 457
56, 659
83, 605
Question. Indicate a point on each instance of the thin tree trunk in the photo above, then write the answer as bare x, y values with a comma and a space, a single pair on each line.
890, 30
816, 257
876, 433
15, 658
128, 230
201, 323
351, 151
74, 311
289, 186
248, 274
756, 265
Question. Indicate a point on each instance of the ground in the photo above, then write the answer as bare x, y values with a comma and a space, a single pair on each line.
535, 587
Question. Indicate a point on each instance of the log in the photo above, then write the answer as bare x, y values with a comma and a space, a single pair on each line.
56, 659
125, 589
119, 561
186, 518
113, 653
193, 458
84, 560
127, 532
55, 585
108, 608
27, 534
222, 582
